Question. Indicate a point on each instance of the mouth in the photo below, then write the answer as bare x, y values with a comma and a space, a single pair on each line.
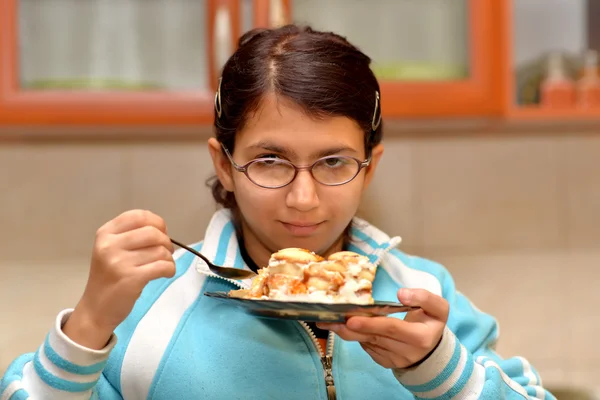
301, 228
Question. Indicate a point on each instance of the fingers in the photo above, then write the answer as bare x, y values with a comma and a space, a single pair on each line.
431, 304
378, 329
379, 355
157, 269
409, 343
149, 255
147, 236
394, 342
133, 219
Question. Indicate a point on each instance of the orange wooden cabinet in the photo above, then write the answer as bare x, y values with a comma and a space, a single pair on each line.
51, 74
434, 58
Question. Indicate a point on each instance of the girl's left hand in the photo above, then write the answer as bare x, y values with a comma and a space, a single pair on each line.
396, 343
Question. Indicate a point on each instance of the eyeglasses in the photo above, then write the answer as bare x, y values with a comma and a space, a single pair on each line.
274, 173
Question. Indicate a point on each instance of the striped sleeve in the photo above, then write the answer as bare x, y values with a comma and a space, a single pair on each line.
60, 369
465, 364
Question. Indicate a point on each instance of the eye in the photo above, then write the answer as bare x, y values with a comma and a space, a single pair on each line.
334, 162
268, 155
265, 158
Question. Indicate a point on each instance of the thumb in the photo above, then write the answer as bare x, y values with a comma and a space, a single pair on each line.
430, 304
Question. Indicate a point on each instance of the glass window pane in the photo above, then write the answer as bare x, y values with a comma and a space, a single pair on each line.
113, 44
563, 30
407, 39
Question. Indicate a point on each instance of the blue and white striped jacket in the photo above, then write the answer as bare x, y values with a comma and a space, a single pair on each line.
179, 344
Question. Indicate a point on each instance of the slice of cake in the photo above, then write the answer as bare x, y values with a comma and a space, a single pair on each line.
300, 275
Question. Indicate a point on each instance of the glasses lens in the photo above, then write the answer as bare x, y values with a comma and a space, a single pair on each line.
335, 170
271, 173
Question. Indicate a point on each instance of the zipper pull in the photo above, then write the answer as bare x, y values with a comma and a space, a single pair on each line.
327, 365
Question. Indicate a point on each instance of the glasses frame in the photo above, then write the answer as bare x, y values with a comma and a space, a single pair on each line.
244, 168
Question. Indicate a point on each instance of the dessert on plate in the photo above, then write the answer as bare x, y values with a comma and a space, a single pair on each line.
295, 274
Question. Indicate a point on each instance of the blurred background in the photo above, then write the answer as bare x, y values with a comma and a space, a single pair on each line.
492, 132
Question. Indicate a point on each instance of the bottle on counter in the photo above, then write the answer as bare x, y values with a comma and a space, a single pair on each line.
588, 86
557, 89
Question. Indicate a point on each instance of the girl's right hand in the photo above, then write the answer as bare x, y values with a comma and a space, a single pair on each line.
129, 251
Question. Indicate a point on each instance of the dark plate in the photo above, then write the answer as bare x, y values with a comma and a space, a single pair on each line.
305, 311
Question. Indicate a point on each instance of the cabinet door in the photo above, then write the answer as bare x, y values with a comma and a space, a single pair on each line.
567, 31
115, 62
432, 57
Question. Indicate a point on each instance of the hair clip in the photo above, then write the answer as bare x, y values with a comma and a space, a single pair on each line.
218, 107
375, 124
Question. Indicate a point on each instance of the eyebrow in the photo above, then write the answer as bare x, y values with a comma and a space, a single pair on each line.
275, 148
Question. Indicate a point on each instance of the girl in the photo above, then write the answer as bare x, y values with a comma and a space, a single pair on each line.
298, 139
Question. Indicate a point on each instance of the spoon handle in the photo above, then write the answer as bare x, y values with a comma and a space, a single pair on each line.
183, 246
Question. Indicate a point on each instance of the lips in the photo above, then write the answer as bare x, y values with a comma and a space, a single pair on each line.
298, 228
302, 224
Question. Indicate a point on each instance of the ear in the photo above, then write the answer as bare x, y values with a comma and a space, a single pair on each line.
221, 164
376, 155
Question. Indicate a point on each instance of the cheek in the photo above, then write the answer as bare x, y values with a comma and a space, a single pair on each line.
346, 197
342, 204
255, 201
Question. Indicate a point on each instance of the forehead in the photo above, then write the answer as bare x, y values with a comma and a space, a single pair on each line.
282, 122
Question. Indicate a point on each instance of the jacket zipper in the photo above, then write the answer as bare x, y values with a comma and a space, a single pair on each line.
326, 356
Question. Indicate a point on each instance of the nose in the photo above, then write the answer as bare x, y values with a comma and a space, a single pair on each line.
302, 194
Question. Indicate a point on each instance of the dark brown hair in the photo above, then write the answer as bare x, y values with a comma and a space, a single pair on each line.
319, 71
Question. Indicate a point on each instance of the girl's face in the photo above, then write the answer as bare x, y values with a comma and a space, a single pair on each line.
305, 213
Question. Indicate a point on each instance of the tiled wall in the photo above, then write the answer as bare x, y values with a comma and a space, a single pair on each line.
516, 218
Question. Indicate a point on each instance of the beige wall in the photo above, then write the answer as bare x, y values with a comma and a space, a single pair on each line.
516, 218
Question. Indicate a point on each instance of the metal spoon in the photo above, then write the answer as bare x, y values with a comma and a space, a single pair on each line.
224, 272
